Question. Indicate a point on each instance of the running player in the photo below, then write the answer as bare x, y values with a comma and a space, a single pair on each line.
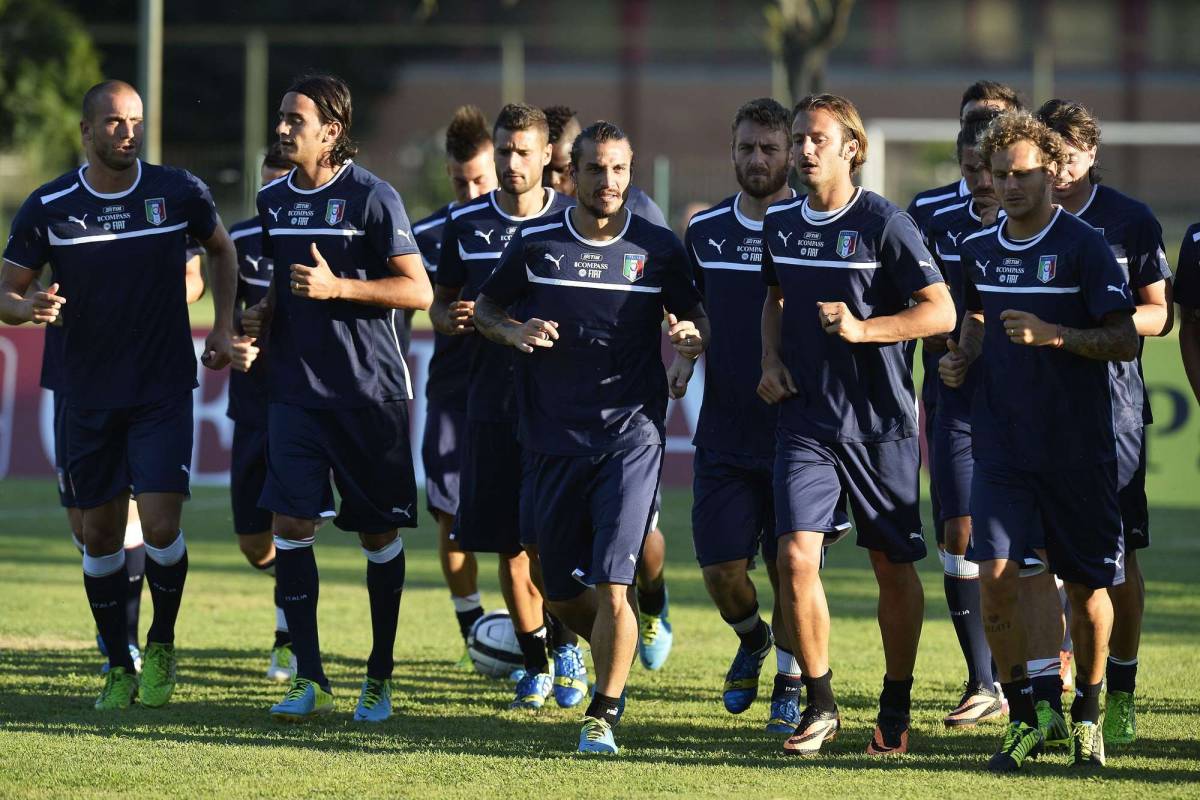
593, 282
471, 167
842, 377
1135, 237
491, 515
247, 408
1043, 423
655, 634
733, 514
1187, 294
338, 385
127, 418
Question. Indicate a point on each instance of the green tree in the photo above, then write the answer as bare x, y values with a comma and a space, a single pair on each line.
47, 63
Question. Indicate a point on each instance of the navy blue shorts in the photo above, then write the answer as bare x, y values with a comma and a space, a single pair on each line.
1131, 488
1079, 514
66, 497
440, 444
733, 507
247, 474
880, 479
366, 449
489, 507
951, 465
591, 515
146, 448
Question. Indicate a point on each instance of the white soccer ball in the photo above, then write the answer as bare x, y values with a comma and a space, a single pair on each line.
492, 645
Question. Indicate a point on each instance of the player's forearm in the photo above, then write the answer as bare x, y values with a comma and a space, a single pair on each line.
493, 321
223, 274
1152, 319
970, 338
439, 310
1189, 348
926, 318
1115, 340
396, 291
14, 308
772, 326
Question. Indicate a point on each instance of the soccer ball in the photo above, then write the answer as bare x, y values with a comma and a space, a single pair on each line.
492, 645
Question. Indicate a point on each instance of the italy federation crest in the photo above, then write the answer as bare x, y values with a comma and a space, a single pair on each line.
847, 243
1046, 268
634, 268
156, 210
335, 211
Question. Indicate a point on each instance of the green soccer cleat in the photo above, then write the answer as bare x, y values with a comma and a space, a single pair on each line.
158, 674
465, 663
282, 667
1120, 719
596, 736
119, 692
1087, 744
1055, 732
303, 701
655, 637
1019, 743
374, 702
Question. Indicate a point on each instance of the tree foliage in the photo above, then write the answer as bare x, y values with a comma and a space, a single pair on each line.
47, 63
802, 33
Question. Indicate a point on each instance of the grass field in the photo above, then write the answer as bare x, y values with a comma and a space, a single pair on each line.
450, 736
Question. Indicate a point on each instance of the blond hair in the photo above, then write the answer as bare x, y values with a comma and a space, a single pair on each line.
847, 117
1021, 126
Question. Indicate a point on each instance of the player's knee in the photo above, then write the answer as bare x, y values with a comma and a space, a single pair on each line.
377, 541
257, 548
797, 561
293, 528
998, 584
724, 577
612, 599
958, 535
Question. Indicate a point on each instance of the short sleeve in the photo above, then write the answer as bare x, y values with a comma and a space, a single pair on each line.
508, 281
202, 217
388, 230
1187, 270
451, 269
1147, 257
769, 276
689, 249
1101, 280
972, 300
28, 246
680, 294
647, 209
904, 256
264, 221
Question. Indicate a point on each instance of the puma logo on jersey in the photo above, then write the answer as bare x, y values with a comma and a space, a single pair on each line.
1118, 289
78, 221
406, 511
557, 261
983, 265
954, 237
274, 212
487, 237
251, 260
717, 245
784, 238
403, 233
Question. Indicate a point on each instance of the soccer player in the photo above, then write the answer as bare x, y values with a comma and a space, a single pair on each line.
471, 167
247, 407
850, 283
1049, 306
655, 634
127, 418
337, 386
592, 282
1187, 294
733, 514
951, 458
1135, 238
492, 516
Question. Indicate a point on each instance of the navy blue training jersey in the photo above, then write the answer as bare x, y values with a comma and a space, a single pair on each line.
640, 203
947, 228
1187, 271
472, 243
602, 386
447, 381
1042, 408
248, 390
335, 353
119, 259
1135, 237
726, 251
870, 256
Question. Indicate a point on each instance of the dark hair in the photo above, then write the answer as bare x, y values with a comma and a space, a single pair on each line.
847, 116
557, 118
467, 133
991, 90
766, 112
91, 98
973, 125
597, 132
274, 158
521, 117
331, 96
1011, 127
1078, 126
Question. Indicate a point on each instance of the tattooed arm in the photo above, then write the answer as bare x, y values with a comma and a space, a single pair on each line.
1115, 340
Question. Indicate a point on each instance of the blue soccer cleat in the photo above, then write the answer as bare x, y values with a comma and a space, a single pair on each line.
570, 676
533, 691
741, 682
374, 701
785, 715
655, 637
303, 701
596, 736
